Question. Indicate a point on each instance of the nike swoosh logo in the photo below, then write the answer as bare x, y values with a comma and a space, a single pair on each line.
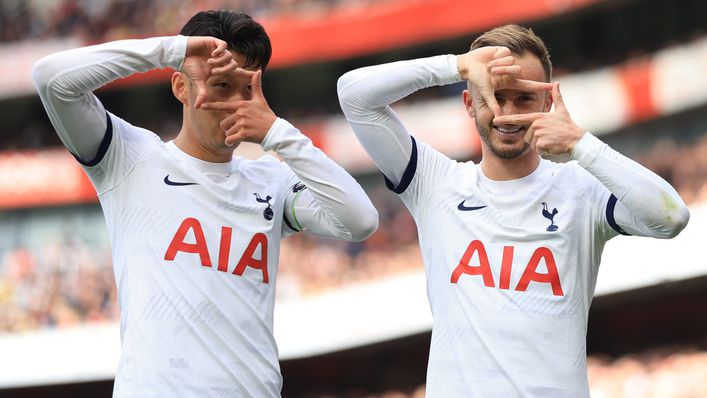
177, 184
465, 208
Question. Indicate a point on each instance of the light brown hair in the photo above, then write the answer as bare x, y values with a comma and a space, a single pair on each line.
520, 40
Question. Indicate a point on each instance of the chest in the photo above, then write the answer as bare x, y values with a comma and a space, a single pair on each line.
243, 199
524, 242
228, 222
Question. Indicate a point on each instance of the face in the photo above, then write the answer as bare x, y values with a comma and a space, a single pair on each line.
507, 141
202, 127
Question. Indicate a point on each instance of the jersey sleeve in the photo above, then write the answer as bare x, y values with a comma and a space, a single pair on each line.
323, 198
294, 189
66, 80
366, 94
426, 169
122, 147
633, 199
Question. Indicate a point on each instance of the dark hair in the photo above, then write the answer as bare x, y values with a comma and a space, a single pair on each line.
238, 29
519, 40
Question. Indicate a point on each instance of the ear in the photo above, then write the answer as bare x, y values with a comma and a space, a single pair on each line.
468, 103
179, 87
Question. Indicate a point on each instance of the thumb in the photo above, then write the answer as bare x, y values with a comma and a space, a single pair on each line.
489, 95
256, 84
557, 98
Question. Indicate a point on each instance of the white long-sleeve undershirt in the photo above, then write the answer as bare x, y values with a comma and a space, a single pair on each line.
648, 205
335, 205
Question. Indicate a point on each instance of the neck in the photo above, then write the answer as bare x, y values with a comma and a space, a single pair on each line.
499, 169
193, 147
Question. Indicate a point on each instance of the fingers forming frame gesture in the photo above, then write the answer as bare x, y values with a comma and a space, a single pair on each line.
248, 120
494, 68
219, 60
552, 133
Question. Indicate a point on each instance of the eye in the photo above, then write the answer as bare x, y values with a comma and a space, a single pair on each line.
222, 85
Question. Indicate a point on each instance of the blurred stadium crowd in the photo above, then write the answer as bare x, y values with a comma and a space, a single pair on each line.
102, 20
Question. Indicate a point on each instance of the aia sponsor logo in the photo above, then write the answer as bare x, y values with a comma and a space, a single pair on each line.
248, 258
482, 267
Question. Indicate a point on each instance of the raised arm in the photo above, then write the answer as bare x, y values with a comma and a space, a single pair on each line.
66, 81
647, 204
334, 205
366, 94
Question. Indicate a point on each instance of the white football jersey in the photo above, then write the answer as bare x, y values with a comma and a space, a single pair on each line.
195, 251
511, 268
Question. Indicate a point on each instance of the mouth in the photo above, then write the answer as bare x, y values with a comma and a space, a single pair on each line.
509, 130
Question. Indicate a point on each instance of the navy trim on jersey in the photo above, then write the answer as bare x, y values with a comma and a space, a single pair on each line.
610, 215
287, 222
103, 148
408, 174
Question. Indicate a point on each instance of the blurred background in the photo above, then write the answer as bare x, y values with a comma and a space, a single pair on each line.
352, 319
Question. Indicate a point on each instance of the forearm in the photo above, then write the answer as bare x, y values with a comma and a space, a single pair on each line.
65, 82
655, 208
342, 209
365, 95
374, 87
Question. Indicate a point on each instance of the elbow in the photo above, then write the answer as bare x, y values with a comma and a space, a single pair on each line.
356, 99
41, 74
364, 225
676, 221
347, 96
341, 92
44, 75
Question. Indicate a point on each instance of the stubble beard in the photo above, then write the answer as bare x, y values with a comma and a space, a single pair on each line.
503, 153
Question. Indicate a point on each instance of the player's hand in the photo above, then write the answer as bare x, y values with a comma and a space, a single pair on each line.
206, 56
551, 133
493, 68
249, 120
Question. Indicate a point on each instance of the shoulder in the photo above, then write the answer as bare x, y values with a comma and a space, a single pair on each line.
431, 157
573, 179
571, 171
267, 164
124, 129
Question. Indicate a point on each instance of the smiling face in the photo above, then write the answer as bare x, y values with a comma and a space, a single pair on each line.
201, 131
507, 141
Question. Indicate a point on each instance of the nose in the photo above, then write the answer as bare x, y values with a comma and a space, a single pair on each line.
508, 108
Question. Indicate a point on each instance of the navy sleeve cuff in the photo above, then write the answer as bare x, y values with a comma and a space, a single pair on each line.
408, 174
610, 215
